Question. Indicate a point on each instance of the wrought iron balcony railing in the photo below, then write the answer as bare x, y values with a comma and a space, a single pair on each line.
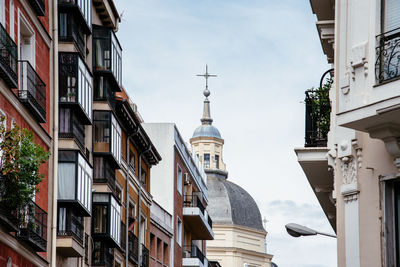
192, 251
38, 6
33, 226
387, 65
317, 117
8, 59
32, 91
145, 256
133, 247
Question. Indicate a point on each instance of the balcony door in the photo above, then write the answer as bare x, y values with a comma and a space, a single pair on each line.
26, 40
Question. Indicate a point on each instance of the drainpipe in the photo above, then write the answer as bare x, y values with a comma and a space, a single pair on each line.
127, 198
139, 199
54, 102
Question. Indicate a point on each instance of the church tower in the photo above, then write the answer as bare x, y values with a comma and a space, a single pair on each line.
207, 142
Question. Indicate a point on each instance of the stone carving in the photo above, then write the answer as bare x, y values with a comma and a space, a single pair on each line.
349, 170
358, 59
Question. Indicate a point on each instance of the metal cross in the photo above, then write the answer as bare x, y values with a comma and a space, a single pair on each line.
206, 75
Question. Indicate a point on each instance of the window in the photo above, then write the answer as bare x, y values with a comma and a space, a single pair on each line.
26, 41
143, 177
166, 255
2, 12
392, 222
143, 230
206, 161
119, 192
391, 20
178, 231
216, 158
179, 180
132, 160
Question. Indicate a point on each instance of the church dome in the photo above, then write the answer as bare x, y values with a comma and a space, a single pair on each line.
206, 130
231, 204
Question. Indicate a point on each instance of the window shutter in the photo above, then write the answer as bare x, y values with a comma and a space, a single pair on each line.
392, 18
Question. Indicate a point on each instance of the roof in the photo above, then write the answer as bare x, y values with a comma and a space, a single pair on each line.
206, 130
231, 204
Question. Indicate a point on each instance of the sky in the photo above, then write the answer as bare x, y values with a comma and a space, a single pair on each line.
266, 53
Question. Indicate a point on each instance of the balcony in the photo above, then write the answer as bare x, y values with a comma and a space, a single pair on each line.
102, 255
106, 219
133, 248
103, 91
38, 6
104, 173
74, 182
75, 86
32, 91
107, 137
196, 218
71, 127
374, 109
33, 227
107, 56
81, 11
8, 59
193, 257
317, 117
70, 31
145, 256
8, 218
70, 233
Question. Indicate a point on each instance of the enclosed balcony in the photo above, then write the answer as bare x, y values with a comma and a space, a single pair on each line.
81, 11
74, 182
104, 173
8, 59
71, 31
133, 248
145, 256
70, 233
33, 227
196, 218
32, 91
71, 127
317, 117
75, 86
106, 219
38, 6
103, 91
102, 254
193, 257
107, 137
107, 56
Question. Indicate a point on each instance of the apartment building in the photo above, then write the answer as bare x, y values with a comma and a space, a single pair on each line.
26, 79
104, 155
353, 164
178, 185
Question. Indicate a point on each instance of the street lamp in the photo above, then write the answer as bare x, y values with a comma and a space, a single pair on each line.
297, 230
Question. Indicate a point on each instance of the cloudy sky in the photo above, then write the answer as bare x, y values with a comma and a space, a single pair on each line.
266, 53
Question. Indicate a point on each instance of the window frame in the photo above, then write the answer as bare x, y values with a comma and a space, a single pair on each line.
179, 179
179, 231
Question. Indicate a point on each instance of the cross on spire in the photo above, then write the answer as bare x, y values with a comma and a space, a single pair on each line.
207, 75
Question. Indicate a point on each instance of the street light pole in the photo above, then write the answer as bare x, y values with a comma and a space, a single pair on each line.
297, 230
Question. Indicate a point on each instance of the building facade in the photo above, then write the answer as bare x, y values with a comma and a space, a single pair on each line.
179, 186
352, 165
236, 218
26, 82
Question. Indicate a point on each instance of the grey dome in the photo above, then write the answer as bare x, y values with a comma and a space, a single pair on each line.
206, 130
231, 204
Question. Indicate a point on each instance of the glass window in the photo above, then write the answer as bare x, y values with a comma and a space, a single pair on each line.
143, 177
132, 160
206, 161
66, 181
179, 231
217, 161
100, 219
179, 180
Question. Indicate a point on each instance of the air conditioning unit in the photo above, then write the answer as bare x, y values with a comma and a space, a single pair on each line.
186, 179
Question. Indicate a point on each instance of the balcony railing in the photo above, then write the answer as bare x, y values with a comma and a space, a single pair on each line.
82, 11
387, 65
133, 247
104, 172
8, 59
317, 117
33, 226
145, 256
107, 56
193, 252
38, 6
75, 85
32, 91
193, 201
71, 127
73, 227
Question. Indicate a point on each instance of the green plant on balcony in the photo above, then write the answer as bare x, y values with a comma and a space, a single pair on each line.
21, 158
318, 99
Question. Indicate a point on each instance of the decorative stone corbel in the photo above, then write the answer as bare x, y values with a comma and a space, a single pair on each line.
358, 59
